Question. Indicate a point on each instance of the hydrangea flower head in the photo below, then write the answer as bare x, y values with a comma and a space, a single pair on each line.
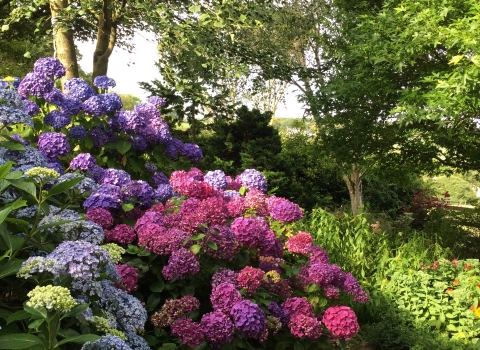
157, 101
77, 132
128, 277
252, 178
35, 84
174, 309
217, 328
317, 255
106, 196
115, 177
251, 279
189, 332
31, 108
57, 119
111, 102
192, 152
224, 296
249, 318
51, 298
217, 179
115, 251
107, 342
53, 144
341, 321
104, 82
182, 262
100, 216
49, 66
94, 106
42, 174
122, 233
304, 326
224, 276
83, 161
283, 210
38, 264
300, 243
298, 306
79, 88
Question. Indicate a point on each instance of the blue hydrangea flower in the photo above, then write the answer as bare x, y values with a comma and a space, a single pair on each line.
56, 165
157, 101
84, 186
26, 159
57, 119
31, 107
104, 82
10, 115
139, 142
117, 122
112, 103
106, 196
217, 179
99, 137
159, 179
55, 96
35, 84
151, 167
164, 192
9, 97
136, 342
50, 67
94, 106
82, 230
192, 152
79, 88
96, 173
173, 148
70, 105
77, 132
147, 111
107, 342
155, 130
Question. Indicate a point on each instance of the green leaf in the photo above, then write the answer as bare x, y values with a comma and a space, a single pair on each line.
195, 248
123, 146
17, 316
168, 346
212, 245
27, 55
23, 185
4, 314
64, 186
197, 237
19, 341
194, 8
158, 286
36, 312
242, 190
10, 268
5, 27
298, 346
127, 206
4, 169
78, 339
77, 310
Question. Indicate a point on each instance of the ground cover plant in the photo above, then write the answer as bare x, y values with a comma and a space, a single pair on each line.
100, 249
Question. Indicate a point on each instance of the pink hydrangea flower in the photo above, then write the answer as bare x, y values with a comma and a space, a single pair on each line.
256, 200
236, 206
128, 277
303, 326
341, 321
217, 328
224, 296
189, 332
251, 279
300, 243
100, 216
298, 306
122, 233
174, 309
182, 262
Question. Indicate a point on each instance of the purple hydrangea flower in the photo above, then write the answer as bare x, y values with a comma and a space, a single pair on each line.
173, 148
154, 130
139, 189
224, 296
132, 120
147, 111
79, 88
139, 142
57, 166
151, 167
77, 132
55, 96
35, 84
104, 82
115, 177
99, 137
112, 102
217, 328
96, 173
182, 262
192, 152
252, 178
70, 105
249, 318
107, 196
224, 276
57, 119
217, 179
160, 179
157, 101
49, 66
31, 108
53, 144
117, 121
189, 332
164, 192
94, 106
276, 311
83, 161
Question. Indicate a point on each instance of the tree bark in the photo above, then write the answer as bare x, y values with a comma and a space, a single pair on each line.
354, 184
63, 40
106, 39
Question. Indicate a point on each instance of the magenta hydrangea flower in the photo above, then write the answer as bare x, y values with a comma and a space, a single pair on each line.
53, 144
148, 235
224, 296
170, 241
341, 321
300, 243
249, 318
322, 274
318, 255
217, 328
351, 286
189, 332
283, 210
303, 326
251, 279
298, 306
233, 185
100, 216
182, 262
174, 309
83, 161
236, 206
248, 231
224, 239
128, 277
122, 233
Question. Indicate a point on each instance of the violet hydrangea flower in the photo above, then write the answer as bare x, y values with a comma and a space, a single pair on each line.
31, 108
35, 84
249, 318
83, 161
217, 179
217, 328
224, 296
49, 66
192, 152
181, 263
53, 144
115, 177
252, 178
57, 119
107, 196
77, 132
104, 82
79, 88
157, 101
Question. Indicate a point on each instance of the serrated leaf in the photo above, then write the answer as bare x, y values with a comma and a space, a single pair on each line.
10, 267
123, 146
5, 169
63, 186
127, 206
77, 310
28, 187
158, 286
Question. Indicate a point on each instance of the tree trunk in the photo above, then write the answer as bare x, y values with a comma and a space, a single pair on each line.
354, 184
106, 39
63, 40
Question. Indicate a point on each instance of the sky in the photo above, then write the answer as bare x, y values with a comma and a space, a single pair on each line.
128, 69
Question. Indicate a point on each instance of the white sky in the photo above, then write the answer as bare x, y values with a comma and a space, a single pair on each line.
128, 69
